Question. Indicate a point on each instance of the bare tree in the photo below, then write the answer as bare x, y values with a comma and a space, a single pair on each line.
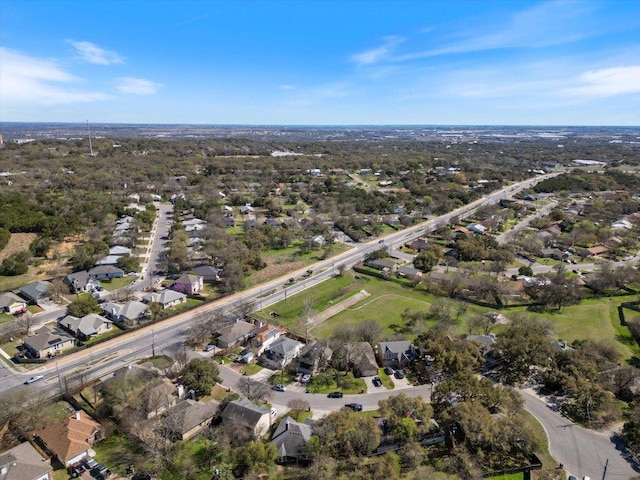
253, 389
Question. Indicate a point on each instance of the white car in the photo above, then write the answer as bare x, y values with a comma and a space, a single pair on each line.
35, 378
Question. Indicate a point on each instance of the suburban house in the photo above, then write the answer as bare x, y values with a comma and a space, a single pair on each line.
188, 284
290, 438
36, 292
357, 357
11, 303
257, 418
208, 273
80, 282
264, 337
85, 327
47, 342
418, 244
477, 228
314, 357
486, 342
108, 260
159, 395
247, 209
595, 250
229, 221
71, 439
129, 312
189, 417
119, 250
382, 265
106, 272
408, 272
283, 350
24, 463
235, 333
166, 298
396, 354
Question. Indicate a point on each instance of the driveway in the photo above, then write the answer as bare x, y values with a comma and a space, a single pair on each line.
580, 450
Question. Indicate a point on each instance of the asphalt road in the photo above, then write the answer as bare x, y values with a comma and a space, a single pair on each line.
581, 451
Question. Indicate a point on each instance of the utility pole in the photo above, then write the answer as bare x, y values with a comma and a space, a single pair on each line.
153, 343
59, 379
604, 473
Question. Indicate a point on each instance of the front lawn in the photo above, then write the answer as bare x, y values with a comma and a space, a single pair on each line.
327, 382
250, 369
116, 283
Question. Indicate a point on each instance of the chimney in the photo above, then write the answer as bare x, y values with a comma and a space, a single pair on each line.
76, 415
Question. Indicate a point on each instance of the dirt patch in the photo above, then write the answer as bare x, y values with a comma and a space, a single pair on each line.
18, 242
275, 270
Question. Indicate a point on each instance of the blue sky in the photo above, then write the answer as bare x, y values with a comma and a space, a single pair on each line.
321, 62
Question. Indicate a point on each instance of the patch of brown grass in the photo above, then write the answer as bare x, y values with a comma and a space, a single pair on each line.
18, 242
275, 270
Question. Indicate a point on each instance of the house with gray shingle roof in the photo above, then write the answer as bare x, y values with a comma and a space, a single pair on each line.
80, 281
189, 417
11, 303
283, 350
396, 354
290, 438
235, 333
36, 292
24, 463
48, 342
242, 411
128, 313
87, 326
188, 284
166, 298
102, 272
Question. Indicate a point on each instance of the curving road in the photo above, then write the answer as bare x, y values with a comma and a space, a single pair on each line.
580, 450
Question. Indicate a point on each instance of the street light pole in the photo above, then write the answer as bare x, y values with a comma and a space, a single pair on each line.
153, 343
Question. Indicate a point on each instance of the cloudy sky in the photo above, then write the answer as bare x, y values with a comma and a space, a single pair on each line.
321, 62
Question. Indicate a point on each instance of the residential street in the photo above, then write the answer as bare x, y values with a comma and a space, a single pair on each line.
581, 451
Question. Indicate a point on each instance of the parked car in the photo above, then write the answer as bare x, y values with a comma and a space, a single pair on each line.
377, 382
273, 411
399, 374
76, 470
305, 378
388, 370
335, 395
356, 407
279, 388
209, 347
89, 462
35, 378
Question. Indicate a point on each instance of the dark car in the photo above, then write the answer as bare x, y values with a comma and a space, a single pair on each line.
356, 407
377, 382
76, 470
335, 395
399, 374
141, 476
388, 370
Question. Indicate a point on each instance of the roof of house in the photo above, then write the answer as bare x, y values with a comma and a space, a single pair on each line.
87, 325
238, 329
23, 463
45, 338
395, 349
82, 278
205, 271
7, 299
366, 359
119, 250
190, 413
597, 250
244, 412
105, 269
484, 340
408, 271
70, 437
164, 296
283, 345
130, 310
290, 437
383, 263
108, 260
188, 279
36, 290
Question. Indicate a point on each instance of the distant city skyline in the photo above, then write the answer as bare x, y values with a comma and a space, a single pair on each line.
347, 62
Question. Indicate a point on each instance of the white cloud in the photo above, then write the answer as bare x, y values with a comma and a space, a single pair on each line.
137, 86
91, 53
287, 87
27, 81
608, 82
375, 55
